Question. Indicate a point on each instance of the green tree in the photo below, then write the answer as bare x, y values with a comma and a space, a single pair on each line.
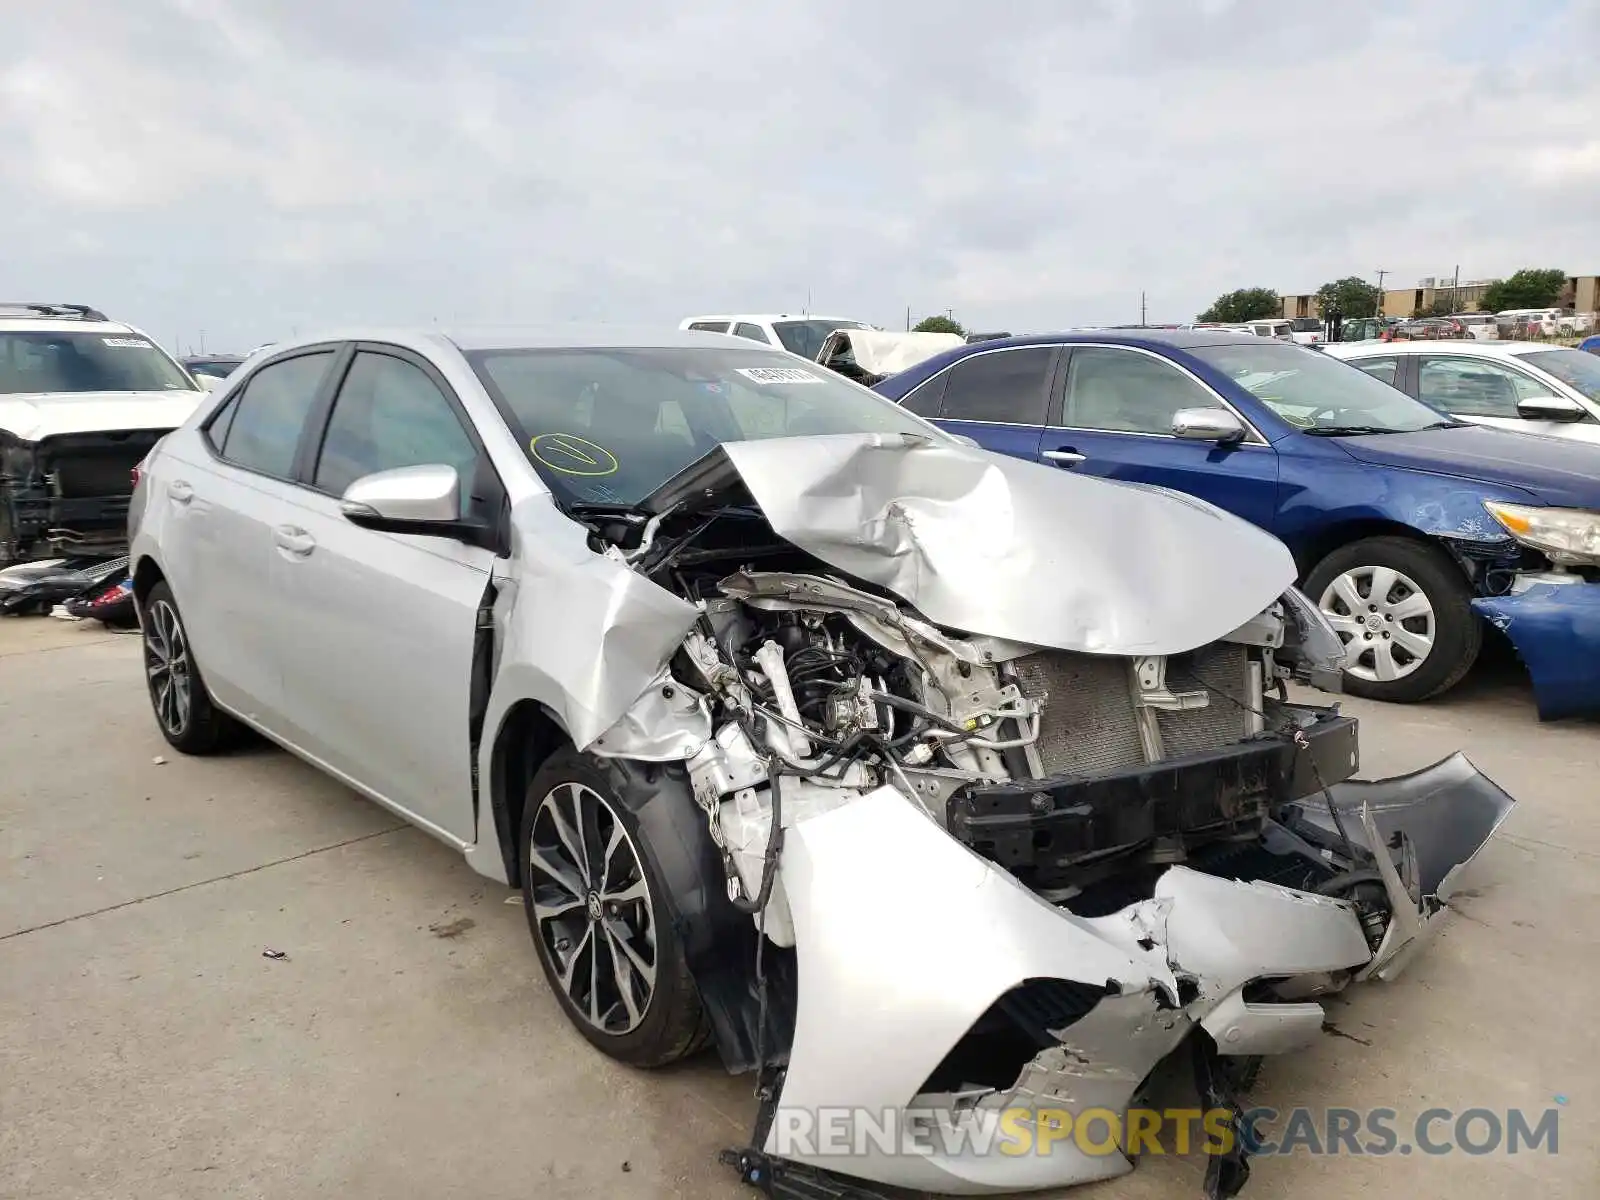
1530, 287
1352, 296
937, 324
1246, 304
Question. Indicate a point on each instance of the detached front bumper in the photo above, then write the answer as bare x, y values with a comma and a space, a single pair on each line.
909, 946
1555, 628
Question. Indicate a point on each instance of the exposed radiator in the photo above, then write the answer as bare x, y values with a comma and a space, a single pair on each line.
1089, 724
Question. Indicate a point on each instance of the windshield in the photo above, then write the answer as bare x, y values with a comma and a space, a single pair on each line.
86, 362
805, 338
609, 426
1575, 368
1319, 394
1305, 325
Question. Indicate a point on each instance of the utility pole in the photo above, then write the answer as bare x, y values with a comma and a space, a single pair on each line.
1381, 274
1141, 308
202, 341
1455, 289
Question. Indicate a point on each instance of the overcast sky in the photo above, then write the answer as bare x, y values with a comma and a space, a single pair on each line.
256, 167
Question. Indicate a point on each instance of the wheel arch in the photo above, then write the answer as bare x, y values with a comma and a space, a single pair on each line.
527, 736
1313, 550
146, 574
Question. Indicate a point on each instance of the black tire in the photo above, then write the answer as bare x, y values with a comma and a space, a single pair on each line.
1457, 633
671, 1023
194, 727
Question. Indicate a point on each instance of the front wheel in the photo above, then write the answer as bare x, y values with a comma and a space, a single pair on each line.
600, 916
1404, 612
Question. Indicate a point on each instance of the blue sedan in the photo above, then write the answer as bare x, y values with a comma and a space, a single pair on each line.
1411, 530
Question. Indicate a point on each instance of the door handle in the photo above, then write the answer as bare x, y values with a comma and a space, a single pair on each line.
1064, 457
294, 539
180, 491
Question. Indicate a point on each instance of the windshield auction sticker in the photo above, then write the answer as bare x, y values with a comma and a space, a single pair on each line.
572, 455
126, 343
778, 375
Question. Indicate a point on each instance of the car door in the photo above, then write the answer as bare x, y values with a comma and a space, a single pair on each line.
1483, 391
228, 493
378, 667
1112, 416
998, 398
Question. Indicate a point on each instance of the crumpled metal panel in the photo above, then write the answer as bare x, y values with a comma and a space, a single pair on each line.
913, 987
580, 633
990, 544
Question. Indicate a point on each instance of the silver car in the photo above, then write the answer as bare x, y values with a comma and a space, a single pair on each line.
923, 781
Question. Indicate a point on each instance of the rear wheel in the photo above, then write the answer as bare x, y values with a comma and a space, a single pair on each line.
1404, 612
600, 917
178, 696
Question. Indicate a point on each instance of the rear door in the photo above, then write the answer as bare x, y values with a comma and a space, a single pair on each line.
1112, 416
1481, 390
226, 495
998, 398
378, 659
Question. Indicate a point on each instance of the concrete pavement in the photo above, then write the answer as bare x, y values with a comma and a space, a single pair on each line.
407, 1044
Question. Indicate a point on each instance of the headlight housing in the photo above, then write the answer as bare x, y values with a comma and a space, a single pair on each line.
1564, 535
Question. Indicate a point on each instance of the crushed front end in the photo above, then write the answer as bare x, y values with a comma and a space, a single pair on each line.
68, 494
996, 876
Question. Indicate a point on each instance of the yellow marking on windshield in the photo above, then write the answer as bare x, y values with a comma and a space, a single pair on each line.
572, 455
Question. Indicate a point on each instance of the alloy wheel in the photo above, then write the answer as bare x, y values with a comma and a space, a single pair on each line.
1385, 620
592, 908
167, 665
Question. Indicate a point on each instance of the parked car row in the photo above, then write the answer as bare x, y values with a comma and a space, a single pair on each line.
1411, 530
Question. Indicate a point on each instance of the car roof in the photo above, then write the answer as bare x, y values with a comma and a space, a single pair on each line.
770, 317
1471, 348
31, 324
1148, 338
525, 337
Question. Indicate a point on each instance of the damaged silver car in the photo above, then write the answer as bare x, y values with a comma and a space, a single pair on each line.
915, 779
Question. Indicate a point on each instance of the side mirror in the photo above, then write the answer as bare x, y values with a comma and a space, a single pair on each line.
421, 500
1550, 408
1207, 425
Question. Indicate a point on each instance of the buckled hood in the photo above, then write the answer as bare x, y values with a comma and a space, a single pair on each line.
996, 546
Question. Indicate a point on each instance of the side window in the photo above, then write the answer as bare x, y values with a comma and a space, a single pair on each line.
925, 400
265, 425
1009, 386
216, 430
753, 332
710, 326
1385, 369
390, 414
1473, 387
1126, 392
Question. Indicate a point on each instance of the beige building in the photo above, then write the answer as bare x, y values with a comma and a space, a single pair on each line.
1582, 294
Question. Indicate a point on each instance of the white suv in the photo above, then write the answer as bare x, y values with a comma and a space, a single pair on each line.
802, 335
82, 401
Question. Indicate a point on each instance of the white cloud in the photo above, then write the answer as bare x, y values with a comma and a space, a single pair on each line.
255, 167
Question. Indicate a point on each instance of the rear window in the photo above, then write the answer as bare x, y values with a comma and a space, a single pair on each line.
86, 362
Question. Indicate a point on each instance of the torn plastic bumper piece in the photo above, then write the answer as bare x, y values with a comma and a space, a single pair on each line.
862, 880
1556, 631
1438, 817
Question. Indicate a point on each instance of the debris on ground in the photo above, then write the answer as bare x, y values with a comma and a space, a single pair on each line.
451, 929
275, 955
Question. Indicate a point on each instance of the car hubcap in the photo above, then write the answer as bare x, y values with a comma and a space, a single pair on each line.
1385, 620
591, 906
166, 662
